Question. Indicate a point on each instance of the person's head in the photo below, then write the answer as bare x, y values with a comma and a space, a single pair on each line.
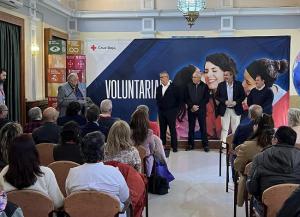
285, 135
215, 66
139, 125
92, 113
73, 79
35, 113
73, 108
92, 147
294, 117
23, 161
7, 134
228, 77
164, 78
3, 111
196, 77
259, 82
263, 130
106, 106
255, 112
267, 69
70, 133
118, 138
143, 107
3, 75
50, 114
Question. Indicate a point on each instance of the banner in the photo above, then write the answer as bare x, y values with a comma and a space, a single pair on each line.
127, 72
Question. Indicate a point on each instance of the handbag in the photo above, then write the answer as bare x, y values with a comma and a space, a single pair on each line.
161, 169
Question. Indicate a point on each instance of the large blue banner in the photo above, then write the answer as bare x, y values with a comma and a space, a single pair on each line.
131, 77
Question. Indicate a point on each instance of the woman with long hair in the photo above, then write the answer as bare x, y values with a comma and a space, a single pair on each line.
25, 172
120, 147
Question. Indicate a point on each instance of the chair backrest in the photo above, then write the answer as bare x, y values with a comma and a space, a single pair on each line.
32, 203
91, 204
247, 169
274, 197
61, 170
46, 153
297, 145
143, 155
229, 139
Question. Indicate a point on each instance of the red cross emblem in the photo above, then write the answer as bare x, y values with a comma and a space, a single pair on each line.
93, 47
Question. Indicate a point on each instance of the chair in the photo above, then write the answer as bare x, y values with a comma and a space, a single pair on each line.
45, 151
32, 203
95, 204
274, 197
228, 146
61, 170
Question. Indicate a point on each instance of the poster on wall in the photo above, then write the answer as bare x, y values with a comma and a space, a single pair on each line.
127, 72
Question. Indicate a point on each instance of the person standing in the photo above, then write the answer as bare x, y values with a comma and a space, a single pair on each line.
197, 96
168, 102
69, 92
261, 95
230, 95
2, 79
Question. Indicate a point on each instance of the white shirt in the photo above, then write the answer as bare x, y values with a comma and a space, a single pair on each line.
164, 88
229, 91
98, 177
261, 87
45, 184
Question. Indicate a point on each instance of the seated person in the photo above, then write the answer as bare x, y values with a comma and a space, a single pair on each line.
291, 206
72, 114
92, 125
153, 125
69, 147
294, 122
24, 171
277, 164
35, 119
8, 209
3, 115
120, 148
49, 132
94, 175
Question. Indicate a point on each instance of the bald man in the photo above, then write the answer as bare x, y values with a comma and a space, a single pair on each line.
49, 132
69, 92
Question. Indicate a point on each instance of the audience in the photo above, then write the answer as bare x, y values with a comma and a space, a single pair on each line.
263, 132
152, 124
35, 119
24, 171
105, 119
119, 146
3, 115
92, 125
72, 114
94, 175
294, 122
277, 164
49, 132
69, 146
7, 134
143, 135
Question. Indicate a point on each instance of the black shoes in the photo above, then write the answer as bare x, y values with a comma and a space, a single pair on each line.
175, 150
206, 148
189, 148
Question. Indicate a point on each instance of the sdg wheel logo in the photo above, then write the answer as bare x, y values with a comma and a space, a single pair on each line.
296, 74
55, 49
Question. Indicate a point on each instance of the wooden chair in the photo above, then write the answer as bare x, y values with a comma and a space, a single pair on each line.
91, 204
45, 151
61, 170
274, 197
228, 146
32, 203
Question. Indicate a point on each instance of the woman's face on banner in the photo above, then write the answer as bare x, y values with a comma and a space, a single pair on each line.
248, 82
213, 75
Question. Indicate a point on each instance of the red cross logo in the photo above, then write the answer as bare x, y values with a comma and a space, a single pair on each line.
93, 47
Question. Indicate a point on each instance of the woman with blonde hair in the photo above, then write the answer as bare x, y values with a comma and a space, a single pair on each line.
7, 134
120, 147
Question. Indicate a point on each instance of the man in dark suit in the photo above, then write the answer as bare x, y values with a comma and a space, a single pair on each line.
197, 96
167, 99
92, 125
230, 95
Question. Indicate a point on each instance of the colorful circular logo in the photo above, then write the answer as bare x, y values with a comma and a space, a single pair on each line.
296, 74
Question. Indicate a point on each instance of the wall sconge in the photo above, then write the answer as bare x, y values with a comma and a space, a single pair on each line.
34, 49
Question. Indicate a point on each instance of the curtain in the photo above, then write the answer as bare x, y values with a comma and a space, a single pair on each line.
10, 61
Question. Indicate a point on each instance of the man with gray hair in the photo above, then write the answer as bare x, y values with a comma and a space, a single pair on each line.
294, 122
35, 119
105, 120
68, 92
3, 115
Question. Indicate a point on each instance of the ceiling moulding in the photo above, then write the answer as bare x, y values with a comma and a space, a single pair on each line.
175, 13
56, 7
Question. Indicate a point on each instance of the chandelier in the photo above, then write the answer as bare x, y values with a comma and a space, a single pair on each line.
191, 9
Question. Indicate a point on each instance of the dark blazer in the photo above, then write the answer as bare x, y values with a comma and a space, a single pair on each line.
238, 96
197, 95
47, 133
90, 127
105, 124
77, 118
169, 101
67, 151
